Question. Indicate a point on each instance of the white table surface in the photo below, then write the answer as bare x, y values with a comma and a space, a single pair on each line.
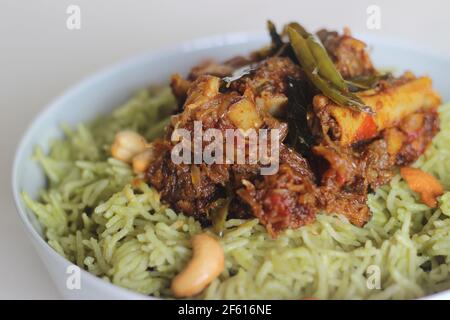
40, 58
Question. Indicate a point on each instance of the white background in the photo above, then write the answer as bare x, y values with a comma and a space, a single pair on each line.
40, 58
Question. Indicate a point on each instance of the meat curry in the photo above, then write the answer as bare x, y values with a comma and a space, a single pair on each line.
344, 128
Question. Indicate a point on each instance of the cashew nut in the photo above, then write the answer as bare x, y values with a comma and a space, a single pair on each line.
142, 160
127, 144
207, 263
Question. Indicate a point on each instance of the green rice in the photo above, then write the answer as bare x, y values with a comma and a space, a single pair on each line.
93, 216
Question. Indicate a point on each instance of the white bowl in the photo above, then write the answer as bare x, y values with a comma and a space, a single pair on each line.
107, 89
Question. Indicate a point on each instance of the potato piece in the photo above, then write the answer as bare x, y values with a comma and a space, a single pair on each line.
243, 115
202, 90
427, 186
275, 104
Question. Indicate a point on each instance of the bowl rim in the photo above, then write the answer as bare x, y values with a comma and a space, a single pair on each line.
98, 76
